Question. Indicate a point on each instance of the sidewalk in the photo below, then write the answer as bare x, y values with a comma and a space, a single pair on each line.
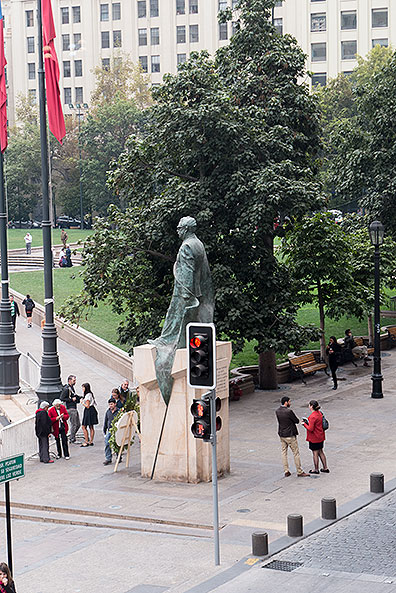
154, 554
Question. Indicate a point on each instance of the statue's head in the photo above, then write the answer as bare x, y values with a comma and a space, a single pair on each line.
186, 225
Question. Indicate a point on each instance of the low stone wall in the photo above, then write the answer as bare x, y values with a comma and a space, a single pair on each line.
18, 437
29, 370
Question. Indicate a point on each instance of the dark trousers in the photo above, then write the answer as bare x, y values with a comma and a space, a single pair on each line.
43, 449
334, 374
62, 437
13, 321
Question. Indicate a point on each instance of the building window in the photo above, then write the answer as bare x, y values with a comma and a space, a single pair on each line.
116, 10
143, 63
104, 12
29, 18
194, 34
193, 6
318, 22
77, 41
154, 8
181, 58
181, 34
155, 64
348, 20
348, 73
348, 50
67, 96
105, 39
76, 14
32, 95
141, 8
379, 17
223, 32
142, 36
155, 36
66, 42
117, 39
32, 71
78, 68
318, 52
79, 94
278, 24
180, 6
319, 78
64, 16
30, 45
66, 69
222, 5
381, 42
106, 63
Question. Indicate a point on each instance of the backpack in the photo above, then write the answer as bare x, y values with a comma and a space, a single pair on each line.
325, 422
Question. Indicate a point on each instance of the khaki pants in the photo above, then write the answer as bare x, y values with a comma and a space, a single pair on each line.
292, 443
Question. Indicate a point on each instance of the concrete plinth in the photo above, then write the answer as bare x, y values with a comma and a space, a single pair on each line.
181, 458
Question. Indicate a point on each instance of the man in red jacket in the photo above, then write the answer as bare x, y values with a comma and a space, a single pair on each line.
59, 417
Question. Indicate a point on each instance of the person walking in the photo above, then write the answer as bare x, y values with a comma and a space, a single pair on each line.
70, 399
111, 413
28, 243
287, 431
90, 416
59, 416
43, 426
316, 437
64, 238
14, 311
29, 306
333, 351
7, 584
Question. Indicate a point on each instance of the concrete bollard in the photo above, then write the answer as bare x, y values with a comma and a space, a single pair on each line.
260, 543
329, 508
376, 483
294, 525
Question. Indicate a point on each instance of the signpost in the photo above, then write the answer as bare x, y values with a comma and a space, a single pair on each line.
11, 468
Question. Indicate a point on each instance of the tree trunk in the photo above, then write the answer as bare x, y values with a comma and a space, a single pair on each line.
267, 376
322, 340
370, 329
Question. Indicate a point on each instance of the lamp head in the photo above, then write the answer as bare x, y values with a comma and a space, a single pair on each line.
376, 231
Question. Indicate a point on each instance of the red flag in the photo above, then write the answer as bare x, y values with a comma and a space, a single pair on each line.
54, 106
3, 92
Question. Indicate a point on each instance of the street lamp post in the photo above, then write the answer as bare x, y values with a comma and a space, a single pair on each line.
78, 106
376, 231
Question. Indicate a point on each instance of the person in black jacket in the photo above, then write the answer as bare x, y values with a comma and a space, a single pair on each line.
6, 581
333, 351
43, 427
70, 399
29, 306
287, 431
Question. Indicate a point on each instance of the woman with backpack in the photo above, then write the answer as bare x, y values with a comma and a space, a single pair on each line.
29, 306
316, 436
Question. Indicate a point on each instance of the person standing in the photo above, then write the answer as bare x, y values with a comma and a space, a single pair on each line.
14, 311
111, 413
29, 306
287, 431
64, 238
43, 426
7, 584
316, 437
333, 351
59, 417
90, 416
70, 399
68, 257
28, 243
360, 351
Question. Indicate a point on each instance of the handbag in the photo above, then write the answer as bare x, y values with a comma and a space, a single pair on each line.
325, 422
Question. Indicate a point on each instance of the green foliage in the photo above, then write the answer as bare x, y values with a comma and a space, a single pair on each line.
131, 404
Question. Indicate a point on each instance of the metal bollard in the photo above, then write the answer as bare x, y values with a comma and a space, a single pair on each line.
329, 508
294, 525
376, 483
260, 543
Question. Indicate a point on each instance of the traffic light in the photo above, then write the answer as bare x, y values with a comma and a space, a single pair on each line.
200, 409
201, 355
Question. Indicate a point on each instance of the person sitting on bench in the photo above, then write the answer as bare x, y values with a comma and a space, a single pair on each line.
359, 351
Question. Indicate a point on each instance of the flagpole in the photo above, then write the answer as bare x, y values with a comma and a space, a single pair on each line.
50, 385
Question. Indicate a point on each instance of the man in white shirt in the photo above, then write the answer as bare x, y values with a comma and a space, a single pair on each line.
28, 242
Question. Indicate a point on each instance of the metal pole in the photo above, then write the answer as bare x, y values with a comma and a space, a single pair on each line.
79, 164
8, 522
9, 355
377, 375
50, 381
213, 441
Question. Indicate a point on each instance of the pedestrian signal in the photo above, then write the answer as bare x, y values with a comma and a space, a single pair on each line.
200, 409
201, 355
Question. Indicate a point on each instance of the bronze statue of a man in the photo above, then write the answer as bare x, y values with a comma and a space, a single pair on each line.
192, 301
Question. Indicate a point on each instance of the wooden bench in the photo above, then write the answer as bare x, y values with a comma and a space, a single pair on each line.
391, 336
360, 342
306, 364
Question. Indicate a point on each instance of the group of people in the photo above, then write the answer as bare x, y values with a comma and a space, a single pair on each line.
55, 419
351, 349
65, 257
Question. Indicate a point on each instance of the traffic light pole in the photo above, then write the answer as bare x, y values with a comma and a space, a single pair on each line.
213, 441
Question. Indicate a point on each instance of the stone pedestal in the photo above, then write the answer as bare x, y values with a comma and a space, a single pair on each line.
181, 457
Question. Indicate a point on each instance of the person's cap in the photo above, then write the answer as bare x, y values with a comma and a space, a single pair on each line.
112, 401
56, 402
44, 405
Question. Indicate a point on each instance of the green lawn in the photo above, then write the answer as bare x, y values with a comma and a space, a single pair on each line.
15, 237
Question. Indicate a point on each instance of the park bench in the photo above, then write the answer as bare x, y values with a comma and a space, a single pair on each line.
391, 336
306, 364
360, 342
